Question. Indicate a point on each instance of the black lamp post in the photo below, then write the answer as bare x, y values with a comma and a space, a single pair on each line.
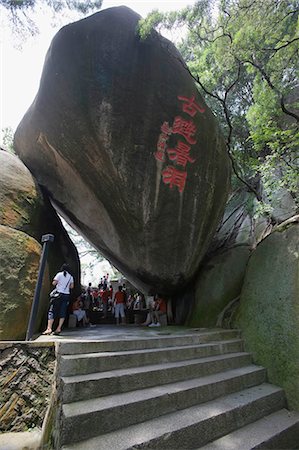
46, 239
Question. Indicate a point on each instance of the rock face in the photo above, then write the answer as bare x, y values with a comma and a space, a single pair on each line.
238, 226
20, 255
269, 309
25, 208
127, 148
25, 215
218, 283
27, 375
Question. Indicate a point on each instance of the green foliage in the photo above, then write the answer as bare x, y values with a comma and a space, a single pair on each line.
7, 139
82, 6
244, 57
83, 247
21, 12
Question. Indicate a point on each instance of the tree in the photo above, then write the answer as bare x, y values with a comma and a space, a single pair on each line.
243, 55
7, 139
21, 13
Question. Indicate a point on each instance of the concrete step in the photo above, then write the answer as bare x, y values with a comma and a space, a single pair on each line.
83, 387
133, 343
191, 427
102, 361
279, 430
121, 410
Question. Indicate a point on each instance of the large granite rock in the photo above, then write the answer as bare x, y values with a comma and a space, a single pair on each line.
25, 208
25, 215
127, 149
218, 283
238, 225
19, 261
269, 308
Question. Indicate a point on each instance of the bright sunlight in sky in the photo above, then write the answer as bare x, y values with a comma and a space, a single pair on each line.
21, 68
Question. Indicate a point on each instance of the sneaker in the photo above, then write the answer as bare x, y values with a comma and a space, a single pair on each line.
152, 325
158, 324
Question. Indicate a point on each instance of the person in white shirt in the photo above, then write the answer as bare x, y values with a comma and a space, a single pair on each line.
63, 281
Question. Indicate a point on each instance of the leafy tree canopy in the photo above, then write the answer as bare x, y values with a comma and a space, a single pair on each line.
20, 12
243, 55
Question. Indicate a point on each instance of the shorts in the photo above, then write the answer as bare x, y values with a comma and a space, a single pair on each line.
80, 314
58, 307
119, 310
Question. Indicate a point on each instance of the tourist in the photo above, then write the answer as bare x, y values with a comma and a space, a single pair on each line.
149, 304
119, 306
88, 293
139, 301
78, 311
105, 299
160, 308
63, 281
95, 297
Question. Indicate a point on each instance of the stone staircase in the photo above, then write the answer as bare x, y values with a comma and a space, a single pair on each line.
187, 391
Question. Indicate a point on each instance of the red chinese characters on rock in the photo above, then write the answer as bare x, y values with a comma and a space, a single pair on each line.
162, 141
174, 177
185, 128
190, 106
180, 154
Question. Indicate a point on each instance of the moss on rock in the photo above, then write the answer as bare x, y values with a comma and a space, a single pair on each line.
219, 282
19, 262
269, 309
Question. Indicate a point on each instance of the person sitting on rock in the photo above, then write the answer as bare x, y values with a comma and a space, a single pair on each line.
160, 307
150, 305
78, 311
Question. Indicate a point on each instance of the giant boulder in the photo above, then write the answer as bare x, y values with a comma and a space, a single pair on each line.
127, 149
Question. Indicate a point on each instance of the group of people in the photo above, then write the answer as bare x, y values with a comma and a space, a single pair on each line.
100, 298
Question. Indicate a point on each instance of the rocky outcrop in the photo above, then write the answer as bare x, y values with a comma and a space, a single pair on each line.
127, 149
218, 283
25, 208
238, 226
269, 308
20, 255
27, 375
25, 215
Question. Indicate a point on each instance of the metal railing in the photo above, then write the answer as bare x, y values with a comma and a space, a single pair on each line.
46, 240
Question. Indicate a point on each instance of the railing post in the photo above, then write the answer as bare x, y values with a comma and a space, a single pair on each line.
46, 239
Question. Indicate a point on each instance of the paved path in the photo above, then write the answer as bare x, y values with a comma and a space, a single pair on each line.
111, 332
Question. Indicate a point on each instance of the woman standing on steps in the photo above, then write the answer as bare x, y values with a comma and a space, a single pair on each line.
63, 281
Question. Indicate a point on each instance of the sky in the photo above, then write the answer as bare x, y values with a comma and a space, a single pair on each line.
21, 67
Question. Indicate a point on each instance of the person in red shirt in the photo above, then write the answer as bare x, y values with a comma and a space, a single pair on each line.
119, 306
160, 307
79, 312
